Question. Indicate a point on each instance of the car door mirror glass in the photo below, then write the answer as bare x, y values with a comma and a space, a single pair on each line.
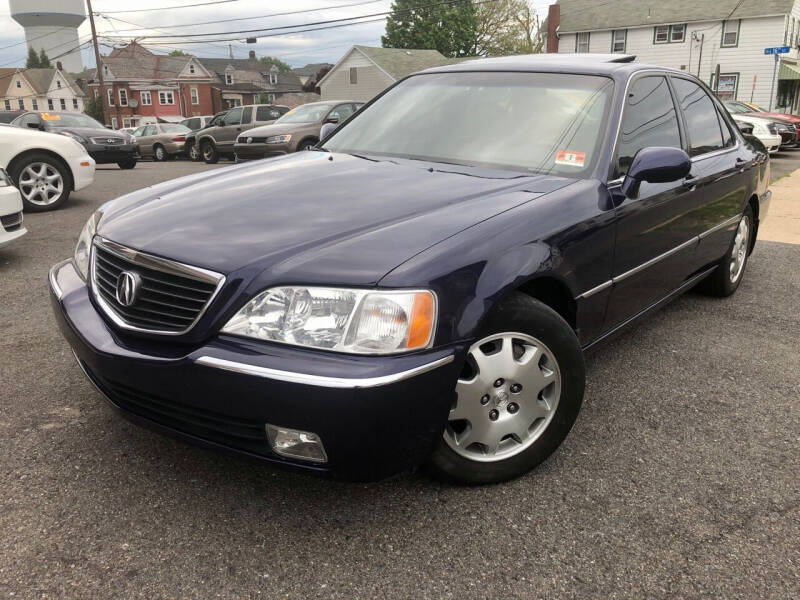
327, 129
655, 164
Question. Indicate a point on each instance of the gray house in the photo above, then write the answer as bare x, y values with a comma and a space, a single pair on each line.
364, 71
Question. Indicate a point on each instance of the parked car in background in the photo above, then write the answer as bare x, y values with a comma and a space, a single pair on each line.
764, 130
105, 146
190, 148
197, 123
787, 125
217, 141
44, 166
161, 140
422, 288
6, 116
128, 130
298, 129
10, 211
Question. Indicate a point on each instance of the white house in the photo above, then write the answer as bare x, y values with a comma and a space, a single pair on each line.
364, 71
39, 89
696, 36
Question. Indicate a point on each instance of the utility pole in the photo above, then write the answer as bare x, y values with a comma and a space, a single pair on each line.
772, 87
97, 60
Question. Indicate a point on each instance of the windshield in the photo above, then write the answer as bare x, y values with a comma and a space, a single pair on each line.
540, 122
174, 128
736, 108
308, 113
70, 120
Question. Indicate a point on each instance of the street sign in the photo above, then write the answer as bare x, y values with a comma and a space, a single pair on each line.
777, 50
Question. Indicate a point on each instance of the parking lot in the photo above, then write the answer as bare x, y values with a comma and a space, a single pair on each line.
679, 480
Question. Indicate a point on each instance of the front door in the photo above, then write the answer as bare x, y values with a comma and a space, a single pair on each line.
655, 237
229, 129
145, 141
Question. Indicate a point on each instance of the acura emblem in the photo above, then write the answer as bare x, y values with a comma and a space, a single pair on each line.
128, 287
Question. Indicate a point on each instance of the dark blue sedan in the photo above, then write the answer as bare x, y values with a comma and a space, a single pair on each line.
421, 288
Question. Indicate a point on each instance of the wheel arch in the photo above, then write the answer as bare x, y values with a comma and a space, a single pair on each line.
554, 293
54, 155
309, 138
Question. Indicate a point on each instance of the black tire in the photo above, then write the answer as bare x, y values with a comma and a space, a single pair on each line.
305, 145
127, 164
521, 314
53, 165
159, 153
209, 152
721, 282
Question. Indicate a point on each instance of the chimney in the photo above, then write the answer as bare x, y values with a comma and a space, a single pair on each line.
252, 54
58, 65
553, 21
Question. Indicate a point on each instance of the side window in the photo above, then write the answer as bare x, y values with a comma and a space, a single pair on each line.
649, 120
150, 130
727, 136
234, 117
29, 118
138, 132
343, 111
267, 113
700, 114
247, 114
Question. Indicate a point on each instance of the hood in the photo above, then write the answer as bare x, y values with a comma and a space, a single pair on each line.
279, 129
314, 216
91, 132
781, 116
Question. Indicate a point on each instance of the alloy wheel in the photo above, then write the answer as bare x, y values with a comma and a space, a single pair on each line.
506, 397
739, 251
41, 183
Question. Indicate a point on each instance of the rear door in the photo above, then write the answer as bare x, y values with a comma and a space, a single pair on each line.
145, 142
720, 171
655, 236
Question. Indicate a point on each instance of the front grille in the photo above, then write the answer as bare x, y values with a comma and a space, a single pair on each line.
109, 141
11, 222
255, 140
184, 416
168, 297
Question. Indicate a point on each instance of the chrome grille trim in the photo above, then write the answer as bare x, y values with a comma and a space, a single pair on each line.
161, 265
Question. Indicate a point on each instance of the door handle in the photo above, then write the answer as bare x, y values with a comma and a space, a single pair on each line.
741, 164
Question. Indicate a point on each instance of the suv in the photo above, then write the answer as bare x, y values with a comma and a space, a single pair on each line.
190, 147
217, 141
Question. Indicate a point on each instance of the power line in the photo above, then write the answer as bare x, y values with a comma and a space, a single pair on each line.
160, 8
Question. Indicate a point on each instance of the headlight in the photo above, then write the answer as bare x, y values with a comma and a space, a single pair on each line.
5, 180
84, 247
343, 320
759, 129
278, 139
74, 136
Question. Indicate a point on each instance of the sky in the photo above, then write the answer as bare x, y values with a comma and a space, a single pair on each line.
126, 19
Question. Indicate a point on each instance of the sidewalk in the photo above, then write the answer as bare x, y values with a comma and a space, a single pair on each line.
783, 221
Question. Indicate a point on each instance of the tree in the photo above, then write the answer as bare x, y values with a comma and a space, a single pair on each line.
33, 59
44, 62
271, 60
449, 28
94, 108
177, 52
311, 84
507, 27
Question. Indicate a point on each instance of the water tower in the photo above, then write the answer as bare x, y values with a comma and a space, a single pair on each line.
52, 25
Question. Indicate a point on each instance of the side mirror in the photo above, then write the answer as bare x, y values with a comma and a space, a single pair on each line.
327, 129
333, 120
745, 128
35, 125
655, 165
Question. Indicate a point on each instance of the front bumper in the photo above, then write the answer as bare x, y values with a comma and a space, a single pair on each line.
256, 151
376, 416
82, 168
10, 215
112, 154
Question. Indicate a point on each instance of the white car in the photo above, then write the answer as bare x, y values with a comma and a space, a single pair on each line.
763, 129
10, 211
46, 167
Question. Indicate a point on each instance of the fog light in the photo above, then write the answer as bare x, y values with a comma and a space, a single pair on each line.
296, 444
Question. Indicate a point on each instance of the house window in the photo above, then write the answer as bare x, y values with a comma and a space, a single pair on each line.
271, 97
19, 83
661, 34
582, 42
34, 104
228, 78
63, 104
273, 78
353, 75
730, 33
195, 96
105, 70
123, 97
677, 33
618, 39
727, 86
668, 34
191, 69
75, 103
113, 122
147, 100
97, 94
8, 104
58, 84
110, 93
21, 103
166, 98
50, 104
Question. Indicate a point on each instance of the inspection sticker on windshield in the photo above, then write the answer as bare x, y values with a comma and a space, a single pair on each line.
570, 158
49, 117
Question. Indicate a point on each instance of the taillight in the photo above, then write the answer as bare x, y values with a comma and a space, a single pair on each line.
180, 138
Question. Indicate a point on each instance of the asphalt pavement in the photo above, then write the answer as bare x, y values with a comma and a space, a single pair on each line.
681, 478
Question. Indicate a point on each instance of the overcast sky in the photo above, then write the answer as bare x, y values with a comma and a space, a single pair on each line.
296, 49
